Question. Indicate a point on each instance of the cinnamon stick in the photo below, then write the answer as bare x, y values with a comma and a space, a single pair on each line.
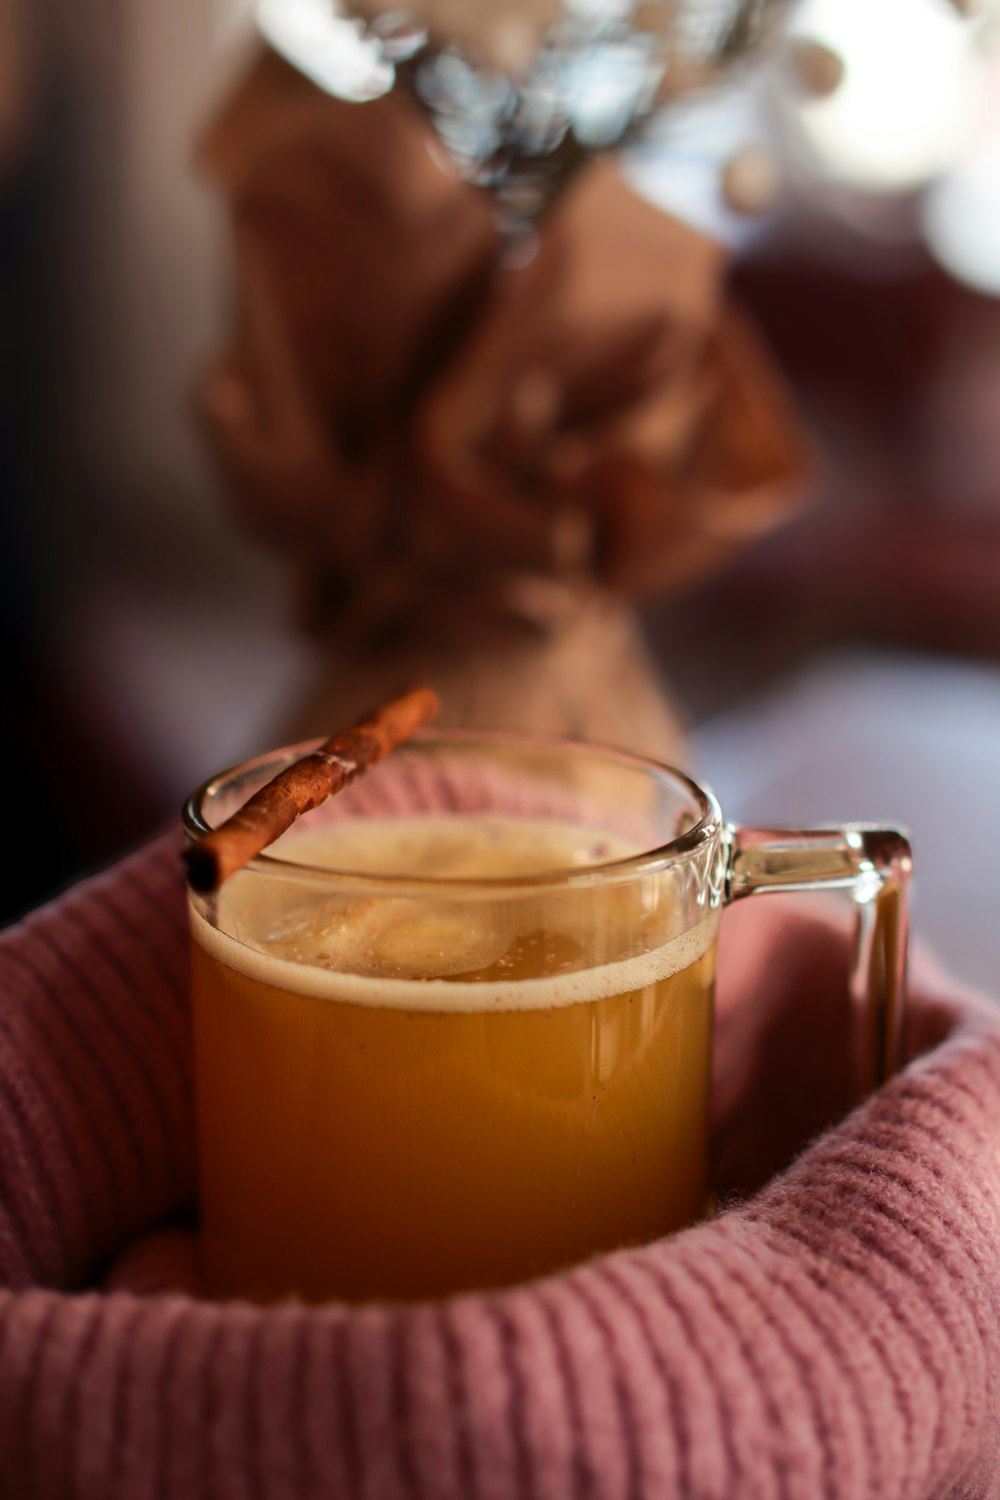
304, 785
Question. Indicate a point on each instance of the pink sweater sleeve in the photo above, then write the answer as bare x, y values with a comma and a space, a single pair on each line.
96, 1113
836, 1334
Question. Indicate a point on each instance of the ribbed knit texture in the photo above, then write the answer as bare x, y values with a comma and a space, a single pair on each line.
835, 1334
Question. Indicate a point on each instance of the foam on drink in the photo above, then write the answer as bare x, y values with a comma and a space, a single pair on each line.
353, 949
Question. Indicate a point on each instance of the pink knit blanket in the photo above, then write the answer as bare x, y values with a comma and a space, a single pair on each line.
835, 1332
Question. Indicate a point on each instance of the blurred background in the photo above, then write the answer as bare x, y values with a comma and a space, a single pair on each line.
845, 666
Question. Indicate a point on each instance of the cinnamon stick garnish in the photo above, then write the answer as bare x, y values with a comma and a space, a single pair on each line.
304, 785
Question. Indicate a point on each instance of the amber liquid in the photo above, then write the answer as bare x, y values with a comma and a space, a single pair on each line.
406, 1134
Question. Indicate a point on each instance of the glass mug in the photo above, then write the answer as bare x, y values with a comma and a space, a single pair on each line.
453, 1030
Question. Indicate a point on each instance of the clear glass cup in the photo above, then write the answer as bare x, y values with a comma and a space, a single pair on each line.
454, 1030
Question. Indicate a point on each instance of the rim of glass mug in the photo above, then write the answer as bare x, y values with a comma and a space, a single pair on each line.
708, 826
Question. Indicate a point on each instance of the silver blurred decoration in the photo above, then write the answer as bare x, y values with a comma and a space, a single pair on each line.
522, 92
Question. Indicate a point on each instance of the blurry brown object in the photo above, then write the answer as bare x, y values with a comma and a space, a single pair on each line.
475, 469
18, 67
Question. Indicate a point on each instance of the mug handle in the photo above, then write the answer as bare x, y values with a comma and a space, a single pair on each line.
874, 865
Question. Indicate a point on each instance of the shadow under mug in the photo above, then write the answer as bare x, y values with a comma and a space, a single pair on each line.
411, 1084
